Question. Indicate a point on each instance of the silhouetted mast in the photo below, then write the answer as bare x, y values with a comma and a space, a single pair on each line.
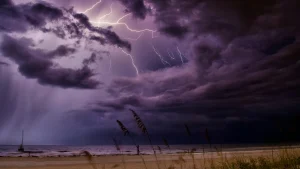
21, 148
22, 136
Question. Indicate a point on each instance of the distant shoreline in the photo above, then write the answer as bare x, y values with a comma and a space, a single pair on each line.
65, 153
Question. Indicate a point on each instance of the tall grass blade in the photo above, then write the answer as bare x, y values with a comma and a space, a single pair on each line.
207, 137
89, 158
166, 143
139, 122
126, 132
119, 149
144, 130
191, 151
117, 146
123, 128
188, 130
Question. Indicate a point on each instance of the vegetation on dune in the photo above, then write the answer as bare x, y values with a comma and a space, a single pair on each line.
286, 159
282, 158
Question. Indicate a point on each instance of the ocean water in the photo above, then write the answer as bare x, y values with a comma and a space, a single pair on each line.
69, 151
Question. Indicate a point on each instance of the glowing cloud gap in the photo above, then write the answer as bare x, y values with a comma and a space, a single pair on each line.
91, 8
132, 61
161, 58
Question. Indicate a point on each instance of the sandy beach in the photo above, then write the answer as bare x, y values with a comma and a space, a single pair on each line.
131, 161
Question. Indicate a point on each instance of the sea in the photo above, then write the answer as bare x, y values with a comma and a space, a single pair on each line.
72, 151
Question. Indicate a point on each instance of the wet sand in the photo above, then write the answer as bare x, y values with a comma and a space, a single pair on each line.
131, 161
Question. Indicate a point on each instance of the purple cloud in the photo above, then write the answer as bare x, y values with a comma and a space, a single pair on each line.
36, 64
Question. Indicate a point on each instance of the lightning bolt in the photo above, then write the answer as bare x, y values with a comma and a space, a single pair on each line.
111, 10
164, 62
135, 39
132, 61
118, 21
110, 63
180, 55
91, 8
125, 24
171, 55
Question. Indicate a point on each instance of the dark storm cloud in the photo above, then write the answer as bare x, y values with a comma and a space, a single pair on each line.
5, 2
136, 7
35, 63
174, 30
73, 30
20, 18
110, 36
59, 32
229, 43
38, 14
11, 18
65, 24
210, 26
66, 31
260, 85
243, 64
98, 39
225, 19
61, 51
90, 60
4, 63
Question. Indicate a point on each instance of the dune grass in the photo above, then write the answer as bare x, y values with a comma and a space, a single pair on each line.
281, 159
285, 159
277, 158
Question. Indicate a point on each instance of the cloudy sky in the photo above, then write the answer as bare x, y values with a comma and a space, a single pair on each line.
69, 69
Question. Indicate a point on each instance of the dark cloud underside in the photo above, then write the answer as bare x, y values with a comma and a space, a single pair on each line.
37, 64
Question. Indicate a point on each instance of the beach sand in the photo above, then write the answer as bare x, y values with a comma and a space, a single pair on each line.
132, 161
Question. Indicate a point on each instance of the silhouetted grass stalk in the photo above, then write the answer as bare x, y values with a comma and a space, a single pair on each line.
134, 142
126, 132
119, 149
142, 126
166, 143
203, 153
191, 151
89, 158
209, 141
160, 150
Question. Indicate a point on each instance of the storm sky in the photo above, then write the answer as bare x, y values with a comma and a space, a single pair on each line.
69, 69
